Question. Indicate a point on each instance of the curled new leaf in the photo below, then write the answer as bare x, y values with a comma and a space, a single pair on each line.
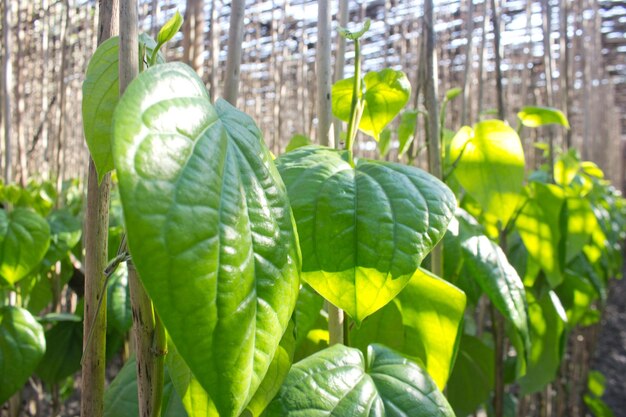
534, 116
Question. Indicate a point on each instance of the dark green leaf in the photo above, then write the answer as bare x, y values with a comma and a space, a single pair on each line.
363, 230
384, 143
338, 381
297, 141
64, 343
406, 130
119, 314
209, 229
24, 240
22, 345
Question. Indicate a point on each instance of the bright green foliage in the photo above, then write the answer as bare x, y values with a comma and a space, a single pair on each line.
490, 267
120, 399
297, 141
471, 380
595, 385
533, 116
423, 322
565, 169
581, 224
453, 93
209, 229
64, 343
65, 233
119, 313
539, 227
100, 97
386, 93
384, 142
363, 230
338, 381
169, 29
576, 294
406, 131
547, 341
22, 345
24, 240
490, 166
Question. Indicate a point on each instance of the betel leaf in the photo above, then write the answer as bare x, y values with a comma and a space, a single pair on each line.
209, 228
363, 230
423, 322
307, 313
472, 378
453, 93
24, 240
539, 227
169, 29
490, 267
297, 141
119, 312
22, 345
386, 93
406, 130
338, 381
547, 342
65, 233
384, 142
64, 343
534, 116
490, 166
100, 97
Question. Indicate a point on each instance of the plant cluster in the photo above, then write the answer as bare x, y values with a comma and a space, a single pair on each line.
238, 252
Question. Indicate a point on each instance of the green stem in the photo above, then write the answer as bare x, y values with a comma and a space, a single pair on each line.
356, 109
442, 118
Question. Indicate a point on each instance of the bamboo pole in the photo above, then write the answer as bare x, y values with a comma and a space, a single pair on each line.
233, 60
214, 41
96, 235
322, 52
495, 18
340, 57
6, 88
465, 104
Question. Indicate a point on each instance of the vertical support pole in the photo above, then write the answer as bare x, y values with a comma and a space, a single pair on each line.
324, 119
233, 60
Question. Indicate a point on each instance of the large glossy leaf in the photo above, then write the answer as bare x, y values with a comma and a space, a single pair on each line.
64, 343
490, 166
423, 322
22, 345
386, 93
338, 381
490, 267
24, 240
209, 228
534, 116
471, 380
363, 230
539, 227
100, 97
547, 338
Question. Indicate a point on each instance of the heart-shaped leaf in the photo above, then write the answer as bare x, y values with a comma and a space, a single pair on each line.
24, 240
100, 97
423, 322
22, 345
338, 381
386, 93
209, 228
64, 343
363, 230
406, 130
490, 166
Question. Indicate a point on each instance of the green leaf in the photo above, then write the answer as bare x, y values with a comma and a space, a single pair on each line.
357, 34
386, 93
598, 407
169, 29
338, 381
547, 339
581, 223
24, 240
297, 141
577, 295
539, 227
423, 322
65, 233
596, 383
120, 399
100, 97
363, 230
534, 116
119, 313
64, 343
209, 229
406, 130
471, 380
308, 309
498, 279
490, 166
22, 345
384, 142
453, 93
